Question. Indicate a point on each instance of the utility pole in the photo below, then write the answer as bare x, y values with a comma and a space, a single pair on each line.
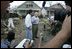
50, 2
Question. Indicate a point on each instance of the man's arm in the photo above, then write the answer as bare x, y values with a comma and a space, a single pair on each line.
58, 40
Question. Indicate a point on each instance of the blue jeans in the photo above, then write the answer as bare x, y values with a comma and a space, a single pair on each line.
28, 33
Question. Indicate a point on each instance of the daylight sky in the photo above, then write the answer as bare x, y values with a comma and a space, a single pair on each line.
39, 3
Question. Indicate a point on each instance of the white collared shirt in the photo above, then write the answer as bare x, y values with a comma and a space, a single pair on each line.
28, 20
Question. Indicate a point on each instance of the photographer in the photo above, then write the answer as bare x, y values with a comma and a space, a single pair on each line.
63, 34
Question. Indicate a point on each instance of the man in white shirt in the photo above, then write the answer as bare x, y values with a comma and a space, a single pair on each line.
28, 25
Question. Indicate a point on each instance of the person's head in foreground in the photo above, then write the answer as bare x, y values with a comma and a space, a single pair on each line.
11, 35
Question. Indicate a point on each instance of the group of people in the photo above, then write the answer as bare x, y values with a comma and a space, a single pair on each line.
31, 23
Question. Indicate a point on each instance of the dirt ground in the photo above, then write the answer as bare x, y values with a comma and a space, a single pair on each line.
20, 34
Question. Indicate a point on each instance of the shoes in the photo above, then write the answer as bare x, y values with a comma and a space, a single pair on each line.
36, 37
33, 38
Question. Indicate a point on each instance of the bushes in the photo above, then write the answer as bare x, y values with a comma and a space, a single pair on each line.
12, 15
40, 16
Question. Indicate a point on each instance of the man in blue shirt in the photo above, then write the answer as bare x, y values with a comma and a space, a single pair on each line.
35, 22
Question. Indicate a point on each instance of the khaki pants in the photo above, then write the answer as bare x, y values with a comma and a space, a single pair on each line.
34, 30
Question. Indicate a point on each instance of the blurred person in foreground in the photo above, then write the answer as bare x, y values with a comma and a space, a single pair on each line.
5, 42
64, 34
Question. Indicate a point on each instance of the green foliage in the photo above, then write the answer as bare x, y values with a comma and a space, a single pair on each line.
12, 15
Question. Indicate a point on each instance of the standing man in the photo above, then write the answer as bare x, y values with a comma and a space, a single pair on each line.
35, 22
28, 25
